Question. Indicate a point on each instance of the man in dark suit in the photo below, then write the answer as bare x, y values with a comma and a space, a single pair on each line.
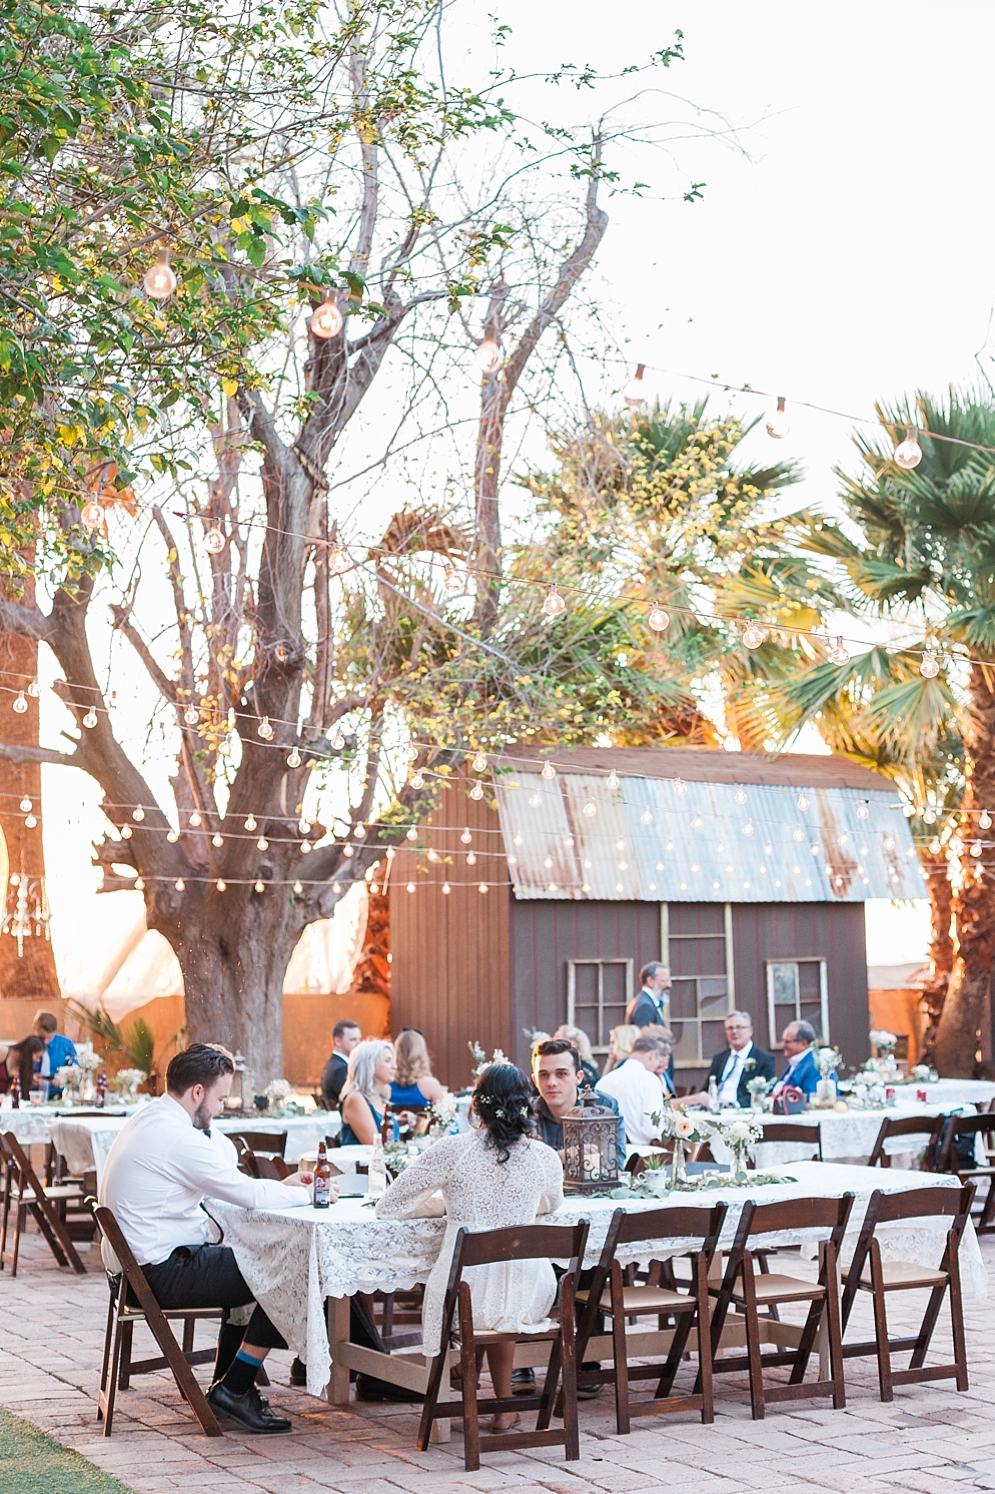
345, 1036
646, 1009
736, 1065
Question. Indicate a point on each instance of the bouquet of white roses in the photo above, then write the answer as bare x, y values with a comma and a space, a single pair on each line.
826, 1060
739, 1136
126, 1082
278, 1092
758, 1089
885, 1042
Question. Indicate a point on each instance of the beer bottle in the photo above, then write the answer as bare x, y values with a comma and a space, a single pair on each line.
101, 1096
322, 1179
15, 1091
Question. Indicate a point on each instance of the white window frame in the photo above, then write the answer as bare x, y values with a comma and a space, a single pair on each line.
729, 977
796, 960
572, 992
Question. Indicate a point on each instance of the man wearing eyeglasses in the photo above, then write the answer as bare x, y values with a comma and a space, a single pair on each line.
734, 1067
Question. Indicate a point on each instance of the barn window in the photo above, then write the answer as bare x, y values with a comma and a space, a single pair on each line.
797, 990
598, 992
698, 941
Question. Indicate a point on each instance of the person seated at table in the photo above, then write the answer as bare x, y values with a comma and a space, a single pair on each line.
734, 1067
415, 1084
582, 1043
620, 1041
20, 1059
345, 1036
366, 1091
797, 1040
558, 1075
665, 1037
492, 1177
166, 1161
639, 1089
59, 1051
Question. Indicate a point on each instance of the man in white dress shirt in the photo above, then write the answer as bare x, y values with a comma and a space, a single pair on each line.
163, 1169
637, 1086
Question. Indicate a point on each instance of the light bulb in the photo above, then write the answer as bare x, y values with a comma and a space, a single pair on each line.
547, 771
748, 828
535, 801
680, 787
466, 837
138, 814
590, 809
446, 888
191, 715
908, 453
25, 805
139, 884
930, 666
92, 515
433, 854
929, 815
985, 820
338, 560
480, 763
303, 826
740, 796
840, 655
20, 704
471, 858
753, 635
417, 781
477, 792
298, 888
412, 834
862, 811
217, 840
33, 690
451, 579
777, 423
976, 848
634, 394
172, 837
221, 884
613, 782
488, 356
259, 887
360, 832
159, 279
658, 619
262, 844
214, 540
481, 886
306, 848
326, 319
250, 823
802, 802
30, 823
294, 760
264, 729
411, 887
798, 833
90, 719
696, 822
179, 884
646, 817
554, 603
195, 818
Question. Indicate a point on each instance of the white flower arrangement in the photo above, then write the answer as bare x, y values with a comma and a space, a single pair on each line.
89, 1062
126, 1081
675, 1124
279, 1092
482, 1061
885, 1042
758, 1089
925, 1073
826, 1060
69, 1077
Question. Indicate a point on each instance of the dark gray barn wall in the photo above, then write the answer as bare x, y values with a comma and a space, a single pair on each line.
545, 935
833, 932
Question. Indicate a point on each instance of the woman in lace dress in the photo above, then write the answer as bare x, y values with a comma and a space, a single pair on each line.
493, 1177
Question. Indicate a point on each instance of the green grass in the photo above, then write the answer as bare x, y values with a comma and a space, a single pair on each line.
32, 1463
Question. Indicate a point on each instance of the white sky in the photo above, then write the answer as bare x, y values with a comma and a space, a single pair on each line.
846, 256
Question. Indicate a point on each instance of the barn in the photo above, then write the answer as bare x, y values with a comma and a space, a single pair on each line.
537, 901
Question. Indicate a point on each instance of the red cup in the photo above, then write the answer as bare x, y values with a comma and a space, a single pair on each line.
921, 1096
889, 1094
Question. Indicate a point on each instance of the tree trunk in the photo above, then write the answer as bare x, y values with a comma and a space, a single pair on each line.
974, 902
234, 948
941, 958
27, 964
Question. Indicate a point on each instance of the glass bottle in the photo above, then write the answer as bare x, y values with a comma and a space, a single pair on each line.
378, 1163
322, 1179
713, 1094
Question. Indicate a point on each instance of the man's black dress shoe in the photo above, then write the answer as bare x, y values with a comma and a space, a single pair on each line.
248, 1409
523, 1382
298, 1373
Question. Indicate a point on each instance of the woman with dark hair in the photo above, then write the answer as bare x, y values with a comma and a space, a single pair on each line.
492, 1177
20, 1060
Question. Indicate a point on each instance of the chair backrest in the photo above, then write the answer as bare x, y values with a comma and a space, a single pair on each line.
273, 1142
524, 1242
111, 1231
269, 1167
794, 1214
961, 1125
795, 1132
703, 1226
333, 1141
17, 1157
927, 1126
921, 1203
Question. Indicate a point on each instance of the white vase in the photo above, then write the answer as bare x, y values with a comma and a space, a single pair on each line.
826, 1092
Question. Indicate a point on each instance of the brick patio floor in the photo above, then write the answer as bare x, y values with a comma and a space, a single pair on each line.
929, 1439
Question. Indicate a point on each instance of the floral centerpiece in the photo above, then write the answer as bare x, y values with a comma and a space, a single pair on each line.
759, 1090
924, 1073
442, 1116
126, 1082
674, 1124
739, 1136
827, 1060
85, 1084
279, 1093
883, 1063
70, 1080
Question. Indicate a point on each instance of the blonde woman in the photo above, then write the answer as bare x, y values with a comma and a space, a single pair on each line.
415, 1084
366, 1091
582, 1043
620, 1041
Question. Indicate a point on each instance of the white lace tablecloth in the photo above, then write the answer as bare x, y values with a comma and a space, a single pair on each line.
32, 1124
294, 1259
85, 1141
848, 1137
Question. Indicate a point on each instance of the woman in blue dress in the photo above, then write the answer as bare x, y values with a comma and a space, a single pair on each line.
415, 1084
366, 1091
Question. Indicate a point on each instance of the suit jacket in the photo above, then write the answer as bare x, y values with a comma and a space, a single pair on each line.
805, 1075
333, 1078
643, 1011
759, 1065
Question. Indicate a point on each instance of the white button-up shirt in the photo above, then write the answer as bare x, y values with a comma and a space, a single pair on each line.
729, 1083
159, 1171
639, 1094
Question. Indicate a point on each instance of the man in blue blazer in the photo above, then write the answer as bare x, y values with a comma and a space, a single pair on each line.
801, 1073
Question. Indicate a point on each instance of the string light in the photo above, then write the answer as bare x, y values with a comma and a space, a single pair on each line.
479, 763
159, 279
126, 832
326, 319
646, 817
471, 858
259, 887
553, 604
90, 719
214, 540
753, 635
217, 840
840, 655
658, 619
680, 787
802, 802
740, 796
338, 560
547, 771
696, 822
298, 888
30, 822
634, 394
776, 425
488, 356
360, 831
908, 453
466, 837
930, 666
262, 844
590, 809
195, 819
179, 884
613, 780
139, 884
25, 805
976, 848
477, 792
92, 515
138, 814
294, 760
985, 820
306, 848
417, 781
264, 729
410, 887
412, 834
303, 826
862, 811
20, 704
33, 690
172, 837
929, 815
191, 715
446, 888
481, 886
451, 579
536, 801
250, 823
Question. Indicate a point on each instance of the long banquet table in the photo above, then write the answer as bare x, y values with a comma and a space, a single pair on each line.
847, 1137
304, 1264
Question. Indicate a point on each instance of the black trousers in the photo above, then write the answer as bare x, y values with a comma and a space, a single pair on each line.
208, 1276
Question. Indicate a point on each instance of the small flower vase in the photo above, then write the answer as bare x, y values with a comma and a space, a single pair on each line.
758, 1104
740, 1160
88, 1088
678, 1168
825, 1093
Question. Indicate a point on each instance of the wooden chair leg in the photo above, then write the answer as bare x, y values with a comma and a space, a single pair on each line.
182, 1373
957, 1320
111, 1389
440, 1365
881, 1325
106, 1356
468, 1372
20, 1219
623, 1424
127, 1332
807, 1341
704, 1344
835, 1330
188, 1329
57, 1236
757, 1402
571, 1429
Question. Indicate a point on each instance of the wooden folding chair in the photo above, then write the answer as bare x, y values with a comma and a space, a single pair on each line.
928, 1127
867, 1272
949, 1161
521, 1243
756, 1290
132, 1302
609, 1293
796, 1133
273, 1143
24, 1194
260, 1165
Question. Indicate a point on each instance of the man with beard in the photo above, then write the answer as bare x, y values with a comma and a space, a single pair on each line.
162, 1171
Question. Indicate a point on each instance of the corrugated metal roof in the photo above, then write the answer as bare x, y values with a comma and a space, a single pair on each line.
702, 764
656, 840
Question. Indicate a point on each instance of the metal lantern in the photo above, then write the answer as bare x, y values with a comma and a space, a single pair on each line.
240, 1094
590, 1148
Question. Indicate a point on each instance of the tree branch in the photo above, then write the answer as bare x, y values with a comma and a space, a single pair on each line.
16, 754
